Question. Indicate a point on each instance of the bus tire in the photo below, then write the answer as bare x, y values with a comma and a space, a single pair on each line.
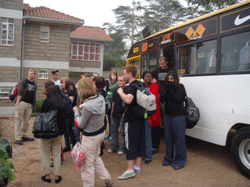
241, 150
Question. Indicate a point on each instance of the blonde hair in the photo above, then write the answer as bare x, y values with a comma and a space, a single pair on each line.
66, 80
32, 70
85, 88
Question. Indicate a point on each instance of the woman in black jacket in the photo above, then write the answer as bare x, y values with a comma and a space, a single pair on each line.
173, 94
54, 101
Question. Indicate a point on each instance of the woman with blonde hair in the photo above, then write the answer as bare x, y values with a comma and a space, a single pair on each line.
90, 117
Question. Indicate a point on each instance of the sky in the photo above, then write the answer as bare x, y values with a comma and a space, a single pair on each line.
94, 12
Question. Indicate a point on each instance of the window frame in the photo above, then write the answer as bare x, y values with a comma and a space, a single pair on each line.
84, 51
5, 92
45, 29
7, 29
43, 73
189, 58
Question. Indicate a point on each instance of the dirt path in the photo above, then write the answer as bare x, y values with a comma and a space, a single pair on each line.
207, 165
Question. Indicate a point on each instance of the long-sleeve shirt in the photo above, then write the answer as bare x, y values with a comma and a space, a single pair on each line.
174, 98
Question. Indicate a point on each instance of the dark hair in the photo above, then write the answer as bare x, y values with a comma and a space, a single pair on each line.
55, 97
155, 74
146, 72
73, 85
131, 69
175, 76
54, 71
47, 84
99, 82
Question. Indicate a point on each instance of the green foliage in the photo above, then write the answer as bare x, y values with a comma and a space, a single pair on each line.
38, 106
6, 165
200, 7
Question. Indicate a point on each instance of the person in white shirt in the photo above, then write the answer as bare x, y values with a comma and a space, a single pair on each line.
55, 79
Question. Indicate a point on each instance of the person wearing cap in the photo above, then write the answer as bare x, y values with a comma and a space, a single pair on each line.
55, 79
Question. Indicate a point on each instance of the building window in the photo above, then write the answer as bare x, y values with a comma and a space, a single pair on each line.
42, 74
7, 31
44, 34
85, 51
4, 92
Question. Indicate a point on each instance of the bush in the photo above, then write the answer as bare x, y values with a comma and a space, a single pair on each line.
38, 106
6, 166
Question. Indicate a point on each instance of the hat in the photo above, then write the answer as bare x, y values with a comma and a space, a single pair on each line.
55, 71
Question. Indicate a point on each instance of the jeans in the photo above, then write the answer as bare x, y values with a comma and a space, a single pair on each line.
68, 133
175, 128
117, 122
148, 138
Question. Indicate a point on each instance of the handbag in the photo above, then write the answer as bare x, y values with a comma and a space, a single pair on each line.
45, 125
192, 113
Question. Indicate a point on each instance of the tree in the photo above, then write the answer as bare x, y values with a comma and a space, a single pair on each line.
161, 14
114, 51
201, 7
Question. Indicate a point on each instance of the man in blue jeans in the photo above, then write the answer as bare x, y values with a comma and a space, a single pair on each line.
117, 121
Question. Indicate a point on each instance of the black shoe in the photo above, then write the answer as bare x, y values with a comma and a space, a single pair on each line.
165, 164
27, 139
45, 180
58, 180
66, 149
18, 142
176, 167
147, 161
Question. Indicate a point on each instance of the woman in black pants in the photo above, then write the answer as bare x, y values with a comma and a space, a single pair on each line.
174, 94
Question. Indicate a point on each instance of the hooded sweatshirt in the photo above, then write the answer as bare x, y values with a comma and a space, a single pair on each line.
91, 116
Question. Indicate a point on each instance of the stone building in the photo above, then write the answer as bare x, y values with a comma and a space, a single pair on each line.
44, 39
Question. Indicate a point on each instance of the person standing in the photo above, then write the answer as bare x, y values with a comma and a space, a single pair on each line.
134, 124
25, 101
163, 70
153, 122
55, 79
113, 86
90, 117
117, 121
53, 101
174, 95
69, 95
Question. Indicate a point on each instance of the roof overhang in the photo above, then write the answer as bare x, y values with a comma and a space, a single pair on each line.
91, 39
52, 20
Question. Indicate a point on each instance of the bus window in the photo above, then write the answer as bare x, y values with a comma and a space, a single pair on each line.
153, 61
235, 52
199, 58
138, 66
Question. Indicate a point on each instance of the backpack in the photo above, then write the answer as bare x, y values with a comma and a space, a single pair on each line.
192, 113
146, 101
13, 93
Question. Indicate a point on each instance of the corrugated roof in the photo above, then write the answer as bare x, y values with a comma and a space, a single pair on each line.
91, 33
44, 12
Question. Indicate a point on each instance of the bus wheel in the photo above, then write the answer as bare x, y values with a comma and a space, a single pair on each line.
241, 150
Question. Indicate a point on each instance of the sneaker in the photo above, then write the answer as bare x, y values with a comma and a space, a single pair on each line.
110, 139
27, 139
147, 161
137, 170
111, 151
127, 174
177, 167
120, 152
18, 142
108, 182
106, 137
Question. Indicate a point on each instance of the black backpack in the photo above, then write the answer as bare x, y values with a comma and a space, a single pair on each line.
192, 113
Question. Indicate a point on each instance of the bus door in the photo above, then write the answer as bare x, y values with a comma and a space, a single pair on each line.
149, 61
168, 51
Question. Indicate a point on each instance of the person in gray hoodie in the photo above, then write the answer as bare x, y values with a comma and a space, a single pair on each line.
90, 117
